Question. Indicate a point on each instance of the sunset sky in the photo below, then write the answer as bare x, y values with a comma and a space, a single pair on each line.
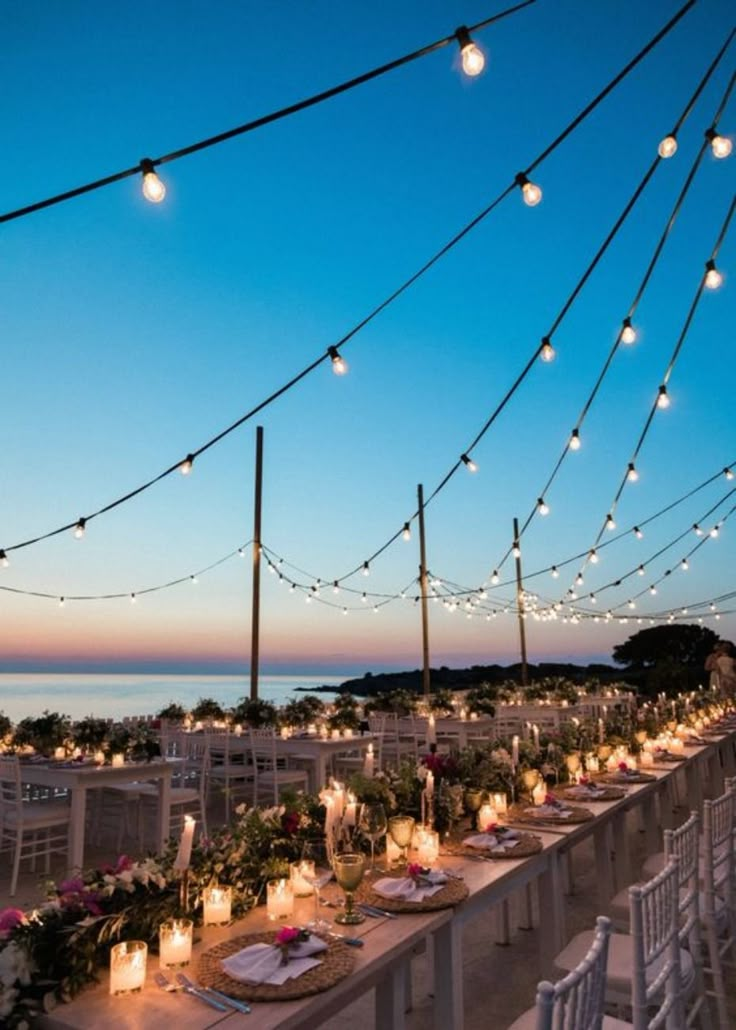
133, 333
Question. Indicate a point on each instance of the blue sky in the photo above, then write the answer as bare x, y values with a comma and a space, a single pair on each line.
133, 332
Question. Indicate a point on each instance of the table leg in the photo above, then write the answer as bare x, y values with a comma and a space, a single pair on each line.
390, 998
448, 976
621, 851
602, 847
164, 808
76, 827
652, 842
552, 933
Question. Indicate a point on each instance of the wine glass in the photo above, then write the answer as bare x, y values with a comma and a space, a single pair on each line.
349, 868
530, 778
372, 824
401, 828
315, 851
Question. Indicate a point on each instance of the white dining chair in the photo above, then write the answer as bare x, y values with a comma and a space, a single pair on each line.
576, 1001
269, 775
719, 894
29, 829
230, 767
646, 968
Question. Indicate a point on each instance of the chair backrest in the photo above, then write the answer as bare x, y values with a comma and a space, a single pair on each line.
684, 843
656, 975
719, 861
11, 791
577, 1001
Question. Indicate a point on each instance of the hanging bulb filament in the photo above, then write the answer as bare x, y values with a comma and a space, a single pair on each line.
555, 572
531, 194
575, 440
721, 146
684, 565
610, 522
628, 333
713, 278
494, 578
641, 570
339, 364
638, 533
546, 350
80, 528
668, 146
472, 57
153, 188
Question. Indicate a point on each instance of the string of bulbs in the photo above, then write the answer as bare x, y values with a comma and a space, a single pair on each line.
530, 195
627, 333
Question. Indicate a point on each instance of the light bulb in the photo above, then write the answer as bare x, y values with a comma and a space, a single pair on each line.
632, 475
406, 531
697, 530
546, 350
308, 598
610, 522
593, 599
4, 562
728, 473
344, 611
575, 440
472, 57
641, 570
194, 580
631, 604
667, 147
593, 556
555, 572
713, 278
80, 528
241, 552
628, 333
684, 565
516, 550
494, 578
652, 590
133, 599
186, 466
366, 569
469, 463
335, 587
61, 602
531, 194
714, 532
579, 579
363, 597
663, 398
339, 364
542, 506
153, 189
721, 146
638, 533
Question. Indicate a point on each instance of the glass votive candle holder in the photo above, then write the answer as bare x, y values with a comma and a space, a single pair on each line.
501, 803
99, 757
335, 734
59, 753
425, 844
217, 903
487, 816
646, 760
128, 967
175, 943
302, 878
118, 760
279, 899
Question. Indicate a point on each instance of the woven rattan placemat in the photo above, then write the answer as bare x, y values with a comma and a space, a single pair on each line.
453, 892
527, 846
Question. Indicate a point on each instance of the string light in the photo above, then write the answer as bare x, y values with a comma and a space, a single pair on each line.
4, 560
638, 533
153, 188
345, 611
663, 398
628, 333
406, 531
684, 565
713, 278
363, 597
721, 146
339, 364
652, 590
194, 579
714, 532
472, 57
575, 440
366, 569
593, 556
579, 579
516, 550
632, 475
530, 192
542, 506
546, 350
335, 587
186, 466
610, 522
241, 552
80, 528
668, 146
641, 570
61, 602
133, 599
555, 572
494, 578
728, 473
593, 599
631, 604
468, 463
697, 530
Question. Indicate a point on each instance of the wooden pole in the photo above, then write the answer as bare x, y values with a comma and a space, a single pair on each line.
424, 592
520, 608
255, 624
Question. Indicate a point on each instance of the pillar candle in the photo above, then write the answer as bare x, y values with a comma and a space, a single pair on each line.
486, 817
535, 734
369, 762
175, 943
350, 816
515, 750
184, 854
128, 966
431, 730
601, 731
217, 905
279, 899
429, 784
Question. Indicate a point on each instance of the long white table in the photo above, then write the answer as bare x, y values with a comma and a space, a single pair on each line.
80, 779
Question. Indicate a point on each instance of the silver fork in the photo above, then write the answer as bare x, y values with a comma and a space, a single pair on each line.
164, 983
211, 992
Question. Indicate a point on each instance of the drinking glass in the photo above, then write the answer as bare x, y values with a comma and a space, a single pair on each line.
530, 778
316, 851
401, 828
349, 868
372, 824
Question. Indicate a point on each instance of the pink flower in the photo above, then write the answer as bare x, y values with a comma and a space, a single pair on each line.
9, 919
290, 822
623, 767
584, 781
550, 799
123, 863
414, 869
287, 934
490, 828
73, 886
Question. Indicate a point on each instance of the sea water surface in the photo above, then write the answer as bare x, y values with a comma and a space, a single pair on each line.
115, 695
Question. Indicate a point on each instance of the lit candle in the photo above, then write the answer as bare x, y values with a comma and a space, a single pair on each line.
238, 730
646, 759
118, 760
369, 762
612, 764
350, 816
431, 730
284, 732
473, 716
539, 793
128, 966
463, 714
335, 734
60, 753
302, 887
218, 902
279, 899
348, 733
515, 750
339, 795
429, 784
601, 732
486, 817
184, 854
99, 757
175, 943
426, 846
324, 732
592, 764
535, 734
677, 747
500, 803
393, 851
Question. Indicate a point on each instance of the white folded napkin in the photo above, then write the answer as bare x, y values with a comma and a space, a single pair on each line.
261, 963
582, 791
549, 810
492, 841
404, 888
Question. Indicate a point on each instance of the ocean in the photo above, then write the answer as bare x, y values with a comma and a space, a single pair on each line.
115, 695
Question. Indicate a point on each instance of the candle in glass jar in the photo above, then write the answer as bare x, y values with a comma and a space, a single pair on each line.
612, 764
302, 878
486, 817
284, 732
646, 759
128, 966
500, 803
348, 733
218, 902
592, 764
279, 899
539, 793
369, 762
118, 760
335, 734
677, 747
393, 851
175, 943
99, 757
59, 753
426, 846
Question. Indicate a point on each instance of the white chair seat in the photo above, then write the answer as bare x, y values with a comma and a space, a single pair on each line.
38, 815
621, 962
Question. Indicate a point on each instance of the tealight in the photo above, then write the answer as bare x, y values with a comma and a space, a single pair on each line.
646, 759
175, 943
279, 899
426, 845
59, 753
500, 803
302, 878
128, 966
218, 902
539, 793
118, 760
99, 757
348, 733
486, 817
335, 734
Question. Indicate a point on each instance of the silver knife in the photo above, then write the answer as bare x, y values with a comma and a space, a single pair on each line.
354, 942
240, 1006
372, 910
201, 995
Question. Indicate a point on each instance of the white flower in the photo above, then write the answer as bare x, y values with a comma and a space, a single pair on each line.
8, 997
15, 964
241, 809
